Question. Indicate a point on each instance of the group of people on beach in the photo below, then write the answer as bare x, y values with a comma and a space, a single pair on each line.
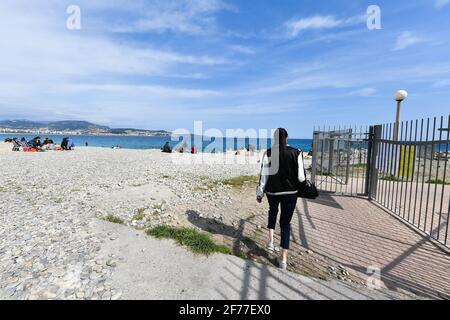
183, 149
37, 144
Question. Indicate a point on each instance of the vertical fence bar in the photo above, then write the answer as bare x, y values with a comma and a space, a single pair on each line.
338, 159
373, 150
388, 160
352, 138
315, 158
403, 169
369, 161
321, 156
424, 170
381, 161
430, 171
447, 159
418, 174
397, 164
444, 181
406, 164
385, 163
361, 160
413, 159
437, 178
392, 169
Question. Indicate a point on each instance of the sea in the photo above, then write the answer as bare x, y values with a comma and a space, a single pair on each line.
143, 142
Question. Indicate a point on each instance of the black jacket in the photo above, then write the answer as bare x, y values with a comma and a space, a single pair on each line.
283, 178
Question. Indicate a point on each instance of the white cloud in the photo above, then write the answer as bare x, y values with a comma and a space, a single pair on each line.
407, 39
296, 26
134, 90
242, 49
442, 83
181, 16
53, 72
365, 92
441, 3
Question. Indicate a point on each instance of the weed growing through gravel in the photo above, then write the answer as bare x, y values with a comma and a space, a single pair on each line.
197, 242
140, 215
242, 181
113, 219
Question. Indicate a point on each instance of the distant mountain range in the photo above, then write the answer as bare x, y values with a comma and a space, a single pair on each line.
81, 127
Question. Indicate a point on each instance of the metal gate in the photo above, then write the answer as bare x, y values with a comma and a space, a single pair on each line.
410, 176
340, 159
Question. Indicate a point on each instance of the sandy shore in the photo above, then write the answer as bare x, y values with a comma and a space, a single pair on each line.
5, 147
51, 204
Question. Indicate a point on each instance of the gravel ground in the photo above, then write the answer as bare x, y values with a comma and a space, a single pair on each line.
48, 201
52, 241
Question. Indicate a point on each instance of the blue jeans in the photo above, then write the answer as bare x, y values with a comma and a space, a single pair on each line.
287, 204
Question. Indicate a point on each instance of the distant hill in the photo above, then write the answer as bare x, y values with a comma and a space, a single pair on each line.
74, 126
21, 124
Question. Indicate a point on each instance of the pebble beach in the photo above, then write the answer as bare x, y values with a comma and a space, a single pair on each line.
57, 239
50, 200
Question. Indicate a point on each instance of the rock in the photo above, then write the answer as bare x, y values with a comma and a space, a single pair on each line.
116, 296
10, 290
111, 263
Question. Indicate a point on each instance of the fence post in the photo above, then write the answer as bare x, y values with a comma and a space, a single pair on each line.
372, 154
314, 157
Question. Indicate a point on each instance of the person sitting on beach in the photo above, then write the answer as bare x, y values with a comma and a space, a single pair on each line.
35, 143
194, 150
166, 148
23, 143
65, 144
183, 148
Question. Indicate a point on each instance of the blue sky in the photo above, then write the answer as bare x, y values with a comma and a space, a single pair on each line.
163, 64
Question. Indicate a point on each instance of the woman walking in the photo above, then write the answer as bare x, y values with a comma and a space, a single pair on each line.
281, 173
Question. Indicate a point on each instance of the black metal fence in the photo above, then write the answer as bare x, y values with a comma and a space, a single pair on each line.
410, 177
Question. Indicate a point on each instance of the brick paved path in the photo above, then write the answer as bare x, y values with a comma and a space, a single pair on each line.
358, 234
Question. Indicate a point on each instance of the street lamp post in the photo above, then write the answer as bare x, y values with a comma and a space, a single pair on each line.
399, 97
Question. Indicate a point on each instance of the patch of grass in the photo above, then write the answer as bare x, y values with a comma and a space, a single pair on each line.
2, 189
359, 165
140, 214
197, 242
242, 255
439, 181
113, 219
239, 182
324, 173
207, 186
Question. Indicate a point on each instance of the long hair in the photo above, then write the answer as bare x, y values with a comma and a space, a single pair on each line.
280, 143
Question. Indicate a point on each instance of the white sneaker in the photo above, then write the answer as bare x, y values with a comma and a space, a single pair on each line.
270, 246
282, 265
